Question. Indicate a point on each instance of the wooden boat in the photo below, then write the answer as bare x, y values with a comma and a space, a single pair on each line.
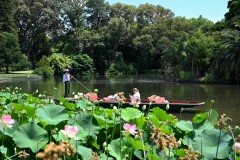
170, 105
174, 105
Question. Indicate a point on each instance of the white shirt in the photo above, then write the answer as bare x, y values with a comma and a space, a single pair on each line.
137, 95
66, 77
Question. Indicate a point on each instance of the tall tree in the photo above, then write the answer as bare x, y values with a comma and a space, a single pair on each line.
97, 13
229, 59
7, 23
36, 21
10, 54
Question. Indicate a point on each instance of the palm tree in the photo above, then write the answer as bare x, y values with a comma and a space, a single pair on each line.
230, 59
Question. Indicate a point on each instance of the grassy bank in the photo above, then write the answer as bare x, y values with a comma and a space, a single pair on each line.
18, 75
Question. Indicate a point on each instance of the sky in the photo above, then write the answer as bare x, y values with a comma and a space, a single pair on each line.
213, 10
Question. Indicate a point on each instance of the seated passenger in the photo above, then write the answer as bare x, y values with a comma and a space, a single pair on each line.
112, 98
91, 96
157, 99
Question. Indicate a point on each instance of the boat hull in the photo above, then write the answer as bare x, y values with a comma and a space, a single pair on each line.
173, 105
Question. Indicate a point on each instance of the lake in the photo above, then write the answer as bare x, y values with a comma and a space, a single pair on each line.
227, 97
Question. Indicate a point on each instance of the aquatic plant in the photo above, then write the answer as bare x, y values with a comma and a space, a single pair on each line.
35, 126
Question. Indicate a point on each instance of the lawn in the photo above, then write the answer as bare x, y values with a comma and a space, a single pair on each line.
16, 74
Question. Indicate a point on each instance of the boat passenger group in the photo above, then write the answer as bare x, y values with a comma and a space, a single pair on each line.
135, 97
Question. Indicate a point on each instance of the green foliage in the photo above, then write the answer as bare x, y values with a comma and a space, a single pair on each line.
30, 136
43, 62
120, 69
82, 64
101, 129
59, 62
10, 54
45, 72
52, 114
186, 75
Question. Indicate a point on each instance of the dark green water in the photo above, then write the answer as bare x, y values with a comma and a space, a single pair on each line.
227, 97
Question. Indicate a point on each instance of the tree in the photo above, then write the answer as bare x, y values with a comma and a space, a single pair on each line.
97, 13
82, 64
36, 21
6, 16
9, 51
229, 59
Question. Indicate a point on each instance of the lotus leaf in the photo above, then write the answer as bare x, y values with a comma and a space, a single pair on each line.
30, 136
86, 153
84, 120
208, 141
130, 113
18, 108
114, 148
52, 114
161, 114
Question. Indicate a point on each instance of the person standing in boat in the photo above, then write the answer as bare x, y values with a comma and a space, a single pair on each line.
66, 80
136, 94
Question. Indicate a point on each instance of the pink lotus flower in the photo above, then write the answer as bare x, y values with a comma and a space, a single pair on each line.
236, 146
70, 131
7, 121
130, 128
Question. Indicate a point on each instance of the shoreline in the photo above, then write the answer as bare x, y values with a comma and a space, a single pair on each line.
20, 78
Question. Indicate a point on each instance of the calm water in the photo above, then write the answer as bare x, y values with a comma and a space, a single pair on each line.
227, 97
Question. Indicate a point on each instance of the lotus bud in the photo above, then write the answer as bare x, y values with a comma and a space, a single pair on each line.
73, 93
95, 102
105, 144
167, 107
237, 128
144, 107
179, 142
76, 97
114, 108
182, 109
36, 91
80, 94
95, 90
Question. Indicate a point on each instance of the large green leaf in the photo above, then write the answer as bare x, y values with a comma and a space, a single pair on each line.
185, 126
115, 146
130, 113
208, 142
84, 104
52, 114
87, 122
30, 136
30, 110
161, 114
197, 128
85, 153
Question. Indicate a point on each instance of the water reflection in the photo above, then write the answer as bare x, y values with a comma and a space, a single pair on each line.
226, 96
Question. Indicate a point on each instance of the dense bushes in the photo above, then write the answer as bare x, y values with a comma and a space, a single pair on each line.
120, 68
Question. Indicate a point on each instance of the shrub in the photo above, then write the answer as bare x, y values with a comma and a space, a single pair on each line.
59, 62
82, 64
120, 68
45, 72
186, 75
